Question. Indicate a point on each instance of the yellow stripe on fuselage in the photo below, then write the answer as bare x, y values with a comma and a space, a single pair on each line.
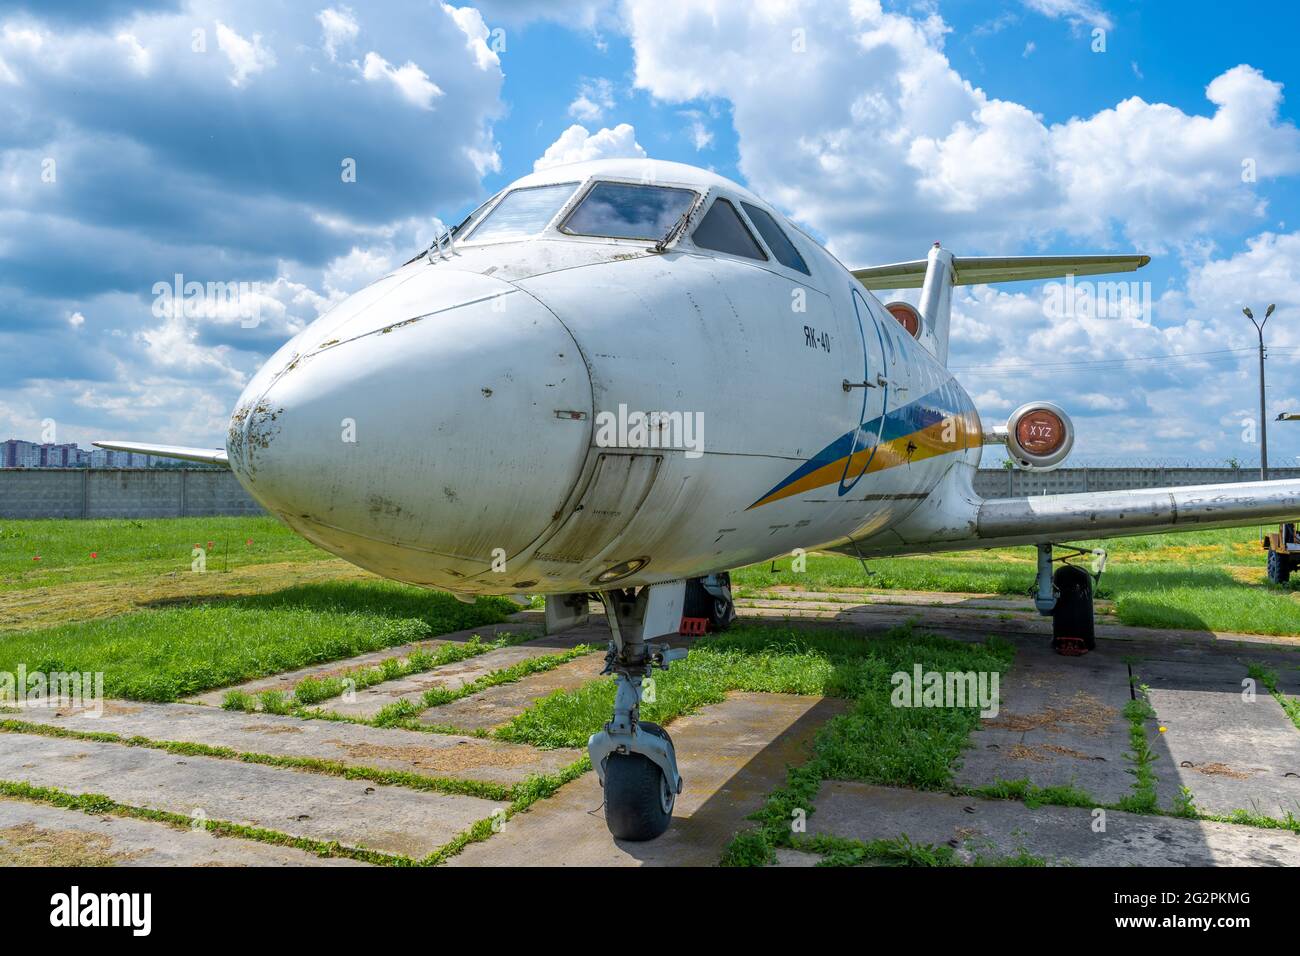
929, 442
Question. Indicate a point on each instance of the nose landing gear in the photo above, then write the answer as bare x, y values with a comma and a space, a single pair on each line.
633, 758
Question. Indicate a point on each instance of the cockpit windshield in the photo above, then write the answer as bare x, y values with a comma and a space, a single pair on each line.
523, 212
628, 211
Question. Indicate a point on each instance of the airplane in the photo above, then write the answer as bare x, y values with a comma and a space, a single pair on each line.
621, 379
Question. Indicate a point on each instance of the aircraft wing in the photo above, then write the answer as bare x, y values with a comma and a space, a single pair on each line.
209, 456
1041, 519
972, 270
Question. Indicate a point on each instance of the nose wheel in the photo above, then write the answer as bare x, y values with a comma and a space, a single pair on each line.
638, 798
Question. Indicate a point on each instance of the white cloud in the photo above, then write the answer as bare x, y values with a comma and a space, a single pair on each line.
1078, 13
246, 57
577, 145
165, 165
136, 54
871, 125
409, 80
470, 22
1142, 386
595, 96
339, 27
698, 130
577, 14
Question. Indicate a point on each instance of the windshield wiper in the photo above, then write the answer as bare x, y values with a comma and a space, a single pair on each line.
678, 226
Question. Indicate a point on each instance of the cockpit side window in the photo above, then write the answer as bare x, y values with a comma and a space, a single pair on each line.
473, 217
776, 239
628, 211
722, 230
523, 212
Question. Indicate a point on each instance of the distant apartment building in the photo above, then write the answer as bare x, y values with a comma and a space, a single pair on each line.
103, 458
16, 453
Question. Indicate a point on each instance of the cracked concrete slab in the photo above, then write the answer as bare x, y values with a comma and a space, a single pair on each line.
353, 745
1060, 722
287, 681
732, 755
372, 700
1059, 835
1232, 750
34, 834
353, 812
499, 705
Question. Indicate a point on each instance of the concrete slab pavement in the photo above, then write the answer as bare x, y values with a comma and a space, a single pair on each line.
353, 812
34, 834
353, 745
1060, 835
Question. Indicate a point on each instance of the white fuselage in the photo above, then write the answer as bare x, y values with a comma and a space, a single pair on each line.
444, 425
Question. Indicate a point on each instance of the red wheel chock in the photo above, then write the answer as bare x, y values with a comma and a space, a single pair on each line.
694, 626
1070, 646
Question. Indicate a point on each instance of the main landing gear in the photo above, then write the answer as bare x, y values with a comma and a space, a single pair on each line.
1066, 596
710, 598
634, 758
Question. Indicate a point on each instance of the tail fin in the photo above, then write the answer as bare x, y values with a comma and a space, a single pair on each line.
941, 270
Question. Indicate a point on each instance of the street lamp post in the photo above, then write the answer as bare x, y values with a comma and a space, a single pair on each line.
1263, 422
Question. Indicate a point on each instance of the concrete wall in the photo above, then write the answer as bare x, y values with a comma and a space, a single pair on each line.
172, 493
121, 493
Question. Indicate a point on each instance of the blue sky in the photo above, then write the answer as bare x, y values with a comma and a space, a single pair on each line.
206, 138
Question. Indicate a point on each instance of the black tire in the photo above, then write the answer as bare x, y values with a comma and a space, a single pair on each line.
638, 804
1072, 619
700, 603
1279, 567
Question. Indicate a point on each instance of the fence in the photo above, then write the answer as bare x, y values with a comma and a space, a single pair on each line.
121, 493
174, 493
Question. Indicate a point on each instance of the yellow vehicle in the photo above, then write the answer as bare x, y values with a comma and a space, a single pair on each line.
1283, 553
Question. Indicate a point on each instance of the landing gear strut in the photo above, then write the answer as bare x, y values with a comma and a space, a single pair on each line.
635, 759
1066, 595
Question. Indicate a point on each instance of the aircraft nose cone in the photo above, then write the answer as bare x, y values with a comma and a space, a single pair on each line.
430, 432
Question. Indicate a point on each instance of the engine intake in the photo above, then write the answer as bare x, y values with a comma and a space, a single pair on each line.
1039, 436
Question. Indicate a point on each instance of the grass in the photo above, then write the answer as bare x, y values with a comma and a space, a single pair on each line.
875, 742
1290, 705
162, 655
1143, 798
750, 657
403, 713
131, 547
1198, 580
315, 690
902, 851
